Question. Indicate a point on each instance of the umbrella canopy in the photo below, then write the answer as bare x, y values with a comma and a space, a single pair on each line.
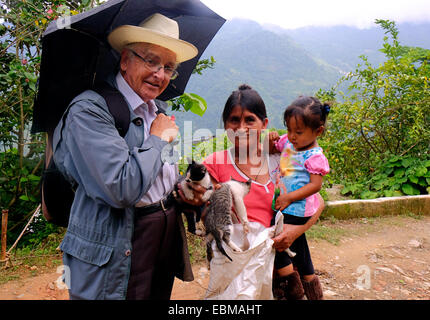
76, 57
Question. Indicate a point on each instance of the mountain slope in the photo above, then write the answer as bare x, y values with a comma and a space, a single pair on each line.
271, 63
282, 64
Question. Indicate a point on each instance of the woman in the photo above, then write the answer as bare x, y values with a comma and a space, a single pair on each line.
244, 118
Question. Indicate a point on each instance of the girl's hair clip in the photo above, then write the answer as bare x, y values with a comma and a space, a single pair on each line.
326, 108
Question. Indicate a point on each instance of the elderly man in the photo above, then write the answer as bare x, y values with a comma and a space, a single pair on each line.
125, 238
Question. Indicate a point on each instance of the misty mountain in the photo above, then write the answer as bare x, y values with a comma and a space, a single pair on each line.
283, 64
341, 46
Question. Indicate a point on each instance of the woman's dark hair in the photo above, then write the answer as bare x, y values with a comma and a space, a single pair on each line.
248, 99
310, 110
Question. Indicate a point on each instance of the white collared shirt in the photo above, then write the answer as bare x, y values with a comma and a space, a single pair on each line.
167, 177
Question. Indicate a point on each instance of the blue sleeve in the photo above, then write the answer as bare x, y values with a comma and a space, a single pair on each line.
102, 162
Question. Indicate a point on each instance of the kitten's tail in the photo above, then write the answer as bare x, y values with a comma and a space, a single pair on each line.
218, 242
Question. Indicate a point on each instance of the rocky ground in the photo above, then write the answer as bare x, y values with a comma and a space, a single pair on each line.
382, 258
364, 259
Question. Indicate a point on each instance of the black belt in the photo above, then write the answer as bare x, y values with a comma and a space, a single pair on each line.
163, 204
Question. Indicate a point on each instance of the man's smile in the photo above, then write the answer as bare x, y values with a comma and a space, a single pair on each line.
157, 85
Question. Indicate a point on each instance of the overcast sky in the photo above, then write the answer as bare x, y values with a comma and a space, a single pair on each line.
292, 14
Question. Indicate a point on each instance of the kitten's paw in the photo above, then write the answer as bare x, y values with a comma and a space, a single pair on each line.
188, 194
207, 195
200, 232
245, 227
290, 253
234, 247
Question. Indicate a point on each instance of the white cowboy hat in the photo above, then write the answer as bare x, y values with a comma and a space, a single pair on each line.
156, 29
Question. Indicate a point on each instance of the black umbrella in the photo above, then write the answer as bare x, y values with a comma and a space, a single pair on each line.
77, 57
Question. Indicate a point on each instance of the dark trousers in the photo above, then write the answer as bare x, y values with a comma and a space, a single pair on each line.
302, 261
154, 256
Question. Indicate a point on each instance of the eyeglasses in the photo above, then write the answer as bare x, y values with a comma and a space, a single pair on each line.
155, 66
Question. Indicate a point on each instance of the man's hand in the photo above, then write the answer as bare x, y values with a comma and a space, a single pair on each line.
198, 192
164, 127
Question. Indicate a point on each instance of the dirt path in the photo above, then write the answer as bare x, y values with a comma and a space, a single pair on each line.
383, 258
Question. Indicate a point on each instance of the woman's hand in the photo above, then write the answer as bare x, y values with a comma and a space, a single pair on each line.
273, 137
290, 233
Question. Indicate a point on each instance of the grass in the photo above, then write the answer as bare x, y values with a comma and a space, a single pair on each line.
417, 216
332, 230
196, 248
33, 259
329, 233
196, 245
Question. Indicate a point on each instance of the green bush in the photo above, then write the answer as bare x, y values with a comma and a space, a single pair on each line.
381, 124
396, 177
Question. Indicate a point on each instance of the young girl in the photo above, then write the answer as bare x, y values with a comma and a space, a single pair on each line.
301, 170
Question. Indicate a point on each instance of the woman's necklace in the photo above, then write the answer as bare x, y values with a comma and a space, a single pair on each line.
263, 162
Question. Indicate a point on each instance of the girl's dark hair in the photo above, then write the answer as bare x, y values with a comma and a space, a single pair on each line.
310, 110
248, 99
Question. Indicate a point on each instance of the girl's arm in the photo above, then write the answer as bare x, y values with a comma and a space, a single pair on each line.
285, 199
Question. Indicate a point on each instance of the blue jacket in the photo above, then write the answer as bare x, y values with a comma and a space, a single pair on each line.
111, 172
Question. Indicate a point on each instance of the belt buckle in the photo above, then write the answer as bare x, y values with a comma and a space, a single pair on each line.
162, 205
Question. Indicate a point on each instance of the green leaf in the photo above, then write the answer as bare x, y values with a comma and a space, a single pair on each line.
421, 171
24, 197
388, 193
410, 190
194, 103
394, 159
32, 177
399, 172
422, 182
407, 162
402, 180
413, 179
368, 195
345, 190
397, 193
32, 85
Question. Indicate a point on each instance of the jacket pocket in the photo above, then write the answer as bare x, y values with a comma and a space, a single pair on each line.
91, 252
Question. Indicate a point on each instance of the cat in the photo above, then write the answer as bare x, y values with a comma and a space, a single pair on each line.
196, 174
219, 215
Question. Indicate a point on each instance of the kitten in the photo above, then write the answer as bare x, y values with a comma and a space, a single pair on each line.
219, 215
196, 174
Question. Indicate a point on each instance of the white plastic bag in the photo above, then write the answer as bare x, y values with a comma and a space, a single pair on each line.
249, 275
